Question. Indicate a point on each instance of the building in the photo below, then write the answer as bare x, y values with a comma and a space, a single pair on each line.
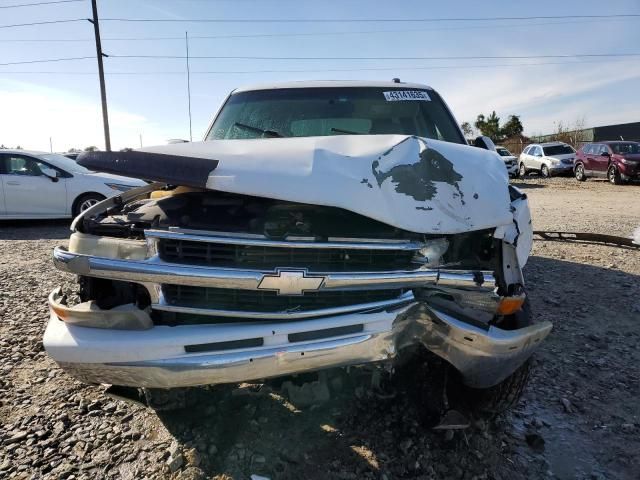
621, 131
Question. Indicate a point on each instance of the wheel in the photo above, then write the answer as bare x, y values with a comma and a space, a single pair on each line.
491, 402
87, 200
545, 171
523, 170
614, 175
502, 397
579, 172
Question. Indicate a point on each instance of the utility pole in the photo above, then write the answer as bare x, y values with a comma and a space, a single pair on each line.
50, 145
103, 91
140, 140
186, 40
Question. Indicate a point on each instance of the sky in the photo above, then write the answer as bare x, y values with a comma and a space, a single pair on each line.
147, 97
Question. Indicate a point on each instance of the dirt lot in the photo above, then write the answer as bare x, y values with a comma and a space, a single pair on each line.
579, 418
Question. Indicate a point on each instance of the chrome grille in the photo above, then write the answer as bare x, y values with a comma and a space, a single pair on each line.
315, 259
267, 301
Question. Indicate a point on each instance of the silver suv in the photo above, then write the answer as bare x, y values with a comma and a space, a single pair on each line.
551, 158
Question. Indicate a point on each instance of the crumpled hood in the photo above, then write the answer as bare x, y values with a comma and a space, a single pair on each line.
412, 183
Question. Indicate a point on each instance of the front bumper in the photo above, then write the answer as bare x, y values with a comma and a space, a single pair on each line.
560, 168
158, 357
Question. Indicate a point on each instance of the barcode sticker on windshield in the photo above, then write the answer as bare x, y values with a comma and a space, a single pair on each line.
406, 95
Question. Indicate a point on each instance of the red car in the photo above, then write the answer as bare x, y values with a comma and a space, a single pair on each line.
617, 161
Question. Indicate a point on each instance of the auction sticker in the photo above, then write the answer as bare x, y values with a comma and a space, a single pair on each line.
406, 95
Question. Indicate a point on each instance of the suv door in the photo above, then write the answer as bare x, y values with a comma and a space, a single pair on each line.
28, 191
536, 158
601, 158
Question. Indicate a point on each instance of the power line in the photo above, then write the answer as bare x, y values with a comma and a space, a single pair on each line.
47, 60
49, 22
411, 67
301, 34
359, 20
38, 3
462, 57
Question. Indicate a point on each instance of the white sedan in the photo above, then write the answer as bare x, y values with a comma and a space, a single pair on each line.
46, 185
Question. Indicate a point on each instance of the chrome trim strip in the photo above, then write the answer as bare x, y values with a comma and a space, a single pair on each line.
259, 241
155, 271
285, 314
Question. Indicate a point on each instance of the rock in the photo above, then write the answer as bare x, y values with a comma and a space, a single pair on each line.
191, 473
566, 404
535, 441
192, 456
453, 420
175, 462
307, 394
15, 438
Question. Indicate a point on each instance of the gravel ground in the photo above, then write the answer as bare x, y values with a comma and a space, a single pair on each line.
579, 417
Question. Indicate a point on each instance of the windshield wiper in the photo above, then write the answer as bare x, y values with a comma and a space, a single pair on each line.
270, 133
348, 132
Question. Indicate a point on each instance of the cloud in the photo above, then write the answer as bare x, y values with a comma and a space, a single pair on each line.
543, 95
32, 113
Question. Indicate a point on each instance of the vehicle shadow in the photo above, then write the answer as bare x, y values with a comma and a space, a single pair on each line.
34, 229
365, 432
521, 183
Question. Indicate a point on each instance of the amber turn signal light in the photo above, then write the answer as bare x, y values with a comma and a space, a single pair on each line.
510, 305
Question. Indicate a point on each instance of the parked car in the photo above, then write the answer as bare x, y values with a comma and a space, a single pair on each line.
510, 160
551, 158
619, 162
47, 185
320, 224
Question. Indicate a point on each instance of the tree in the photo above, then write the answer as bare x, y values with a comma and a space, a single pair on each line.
575, 135
489, 126
467, 129
513, 127
91, 149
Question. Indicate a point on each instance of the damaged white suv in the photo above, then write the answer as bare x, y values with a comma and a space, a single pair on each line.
319, 224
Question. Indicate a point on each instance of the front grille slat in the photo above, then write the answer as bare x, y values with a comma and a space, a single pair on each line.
267, 301
261, 257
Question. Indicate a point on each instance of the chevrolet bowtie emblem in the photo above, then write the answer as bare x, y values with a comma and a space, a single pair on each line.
290, 282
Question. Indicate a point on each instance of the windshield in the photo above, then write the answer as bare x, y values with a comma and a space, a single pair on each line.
503, 152
307, 112
63, 162
625, 148
558, 150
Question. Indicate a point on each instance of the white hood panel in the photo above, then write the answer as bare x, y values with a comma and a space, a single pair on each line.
412, 183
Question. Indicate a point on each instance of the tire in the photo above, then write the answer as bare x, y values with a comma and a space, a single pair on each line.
500, 398
493, 401
544, 171
522, 171
613, 175
85, 201
579, 173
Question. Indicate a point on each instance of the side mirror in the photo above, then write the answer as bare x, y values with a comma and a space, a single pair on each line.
605, 154
484, 142
51, 173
